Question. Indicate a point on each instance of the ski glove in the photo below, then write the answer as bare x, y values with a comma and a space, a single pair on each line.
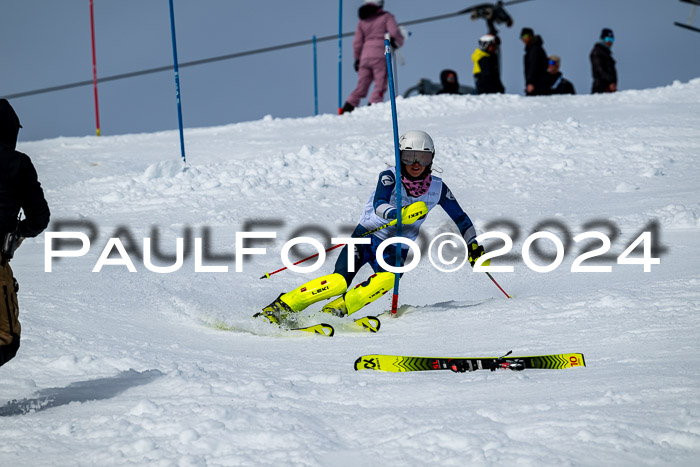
458, 366
356, 66
475, 252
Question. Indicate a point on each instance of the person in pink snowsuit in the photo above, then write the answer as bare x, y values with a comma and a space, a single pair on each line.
368, 51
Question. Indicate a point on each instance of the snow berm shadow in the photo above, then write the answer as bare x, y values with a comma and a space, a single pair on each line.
81, 391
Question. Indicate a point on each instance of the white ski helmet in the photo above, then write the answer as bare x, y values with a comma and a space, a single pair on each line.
486, 40
416, 140
376, 2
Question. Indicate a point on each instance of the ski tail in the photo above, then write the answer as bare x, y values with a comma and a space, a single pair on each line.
322, 328
370, 323
400, 364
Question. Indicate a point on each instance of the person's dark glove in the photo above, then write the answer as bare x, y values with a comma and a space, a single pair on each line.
475, 252
457, 365
356, 66
393, 43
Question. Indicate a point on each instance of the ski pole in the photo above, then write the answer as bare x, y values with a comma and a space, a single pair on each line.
412, 213
499, 287
268, 274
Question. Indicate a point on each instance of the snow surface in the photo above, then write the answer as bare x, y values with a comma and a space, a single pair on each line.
120, 368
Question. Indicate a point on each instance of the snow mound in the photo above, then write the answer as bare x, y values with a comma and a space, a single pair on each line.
170, 369
164, 169
676, 216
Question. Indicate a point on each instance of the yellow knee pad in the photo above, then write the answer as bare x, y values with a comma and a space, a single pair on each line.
315, 290
367, 292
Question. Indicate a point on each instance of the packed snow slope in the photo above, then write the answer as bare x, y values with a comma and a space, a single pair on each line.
144, 368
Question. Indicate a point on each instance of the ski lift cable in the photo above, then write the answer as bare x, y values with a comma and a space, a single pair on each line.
232, 56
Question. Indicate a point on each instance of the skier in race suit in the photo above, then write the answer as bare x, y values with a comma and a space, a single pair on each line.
418, 186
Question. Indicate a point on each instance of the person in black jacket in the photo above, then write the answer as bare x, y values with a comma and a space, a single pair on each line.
449, 81
535, 61
603, 65
19, 189
486, 70
557, 83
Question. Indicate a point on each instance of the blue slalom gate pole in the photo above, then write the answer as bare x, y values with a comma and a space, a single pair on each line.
397, 154
340, 58
315, 79
177, 83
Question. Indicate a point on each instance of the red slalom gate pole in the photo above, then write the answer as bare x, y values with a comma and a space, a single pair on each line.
94, 68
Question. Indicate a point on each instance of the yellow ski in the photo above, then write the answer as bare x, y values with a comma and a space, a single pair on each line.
400, 364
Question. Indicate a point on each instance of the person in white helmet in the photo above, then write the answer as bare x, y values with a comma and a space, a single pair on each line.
421, 191
486, 71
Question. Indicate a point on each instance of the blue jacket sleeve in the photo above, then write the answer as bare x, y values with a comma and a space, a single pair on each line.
382, 195
457, 214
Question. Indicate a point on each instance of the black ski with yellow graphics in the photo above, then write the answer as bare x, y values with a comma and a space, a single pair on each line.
399, 364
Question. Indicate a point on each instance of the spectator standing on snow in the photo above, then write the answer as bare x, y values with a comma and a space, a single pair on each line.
603, 65
557, 83
486, 70
19, 189
535, 61
368, 51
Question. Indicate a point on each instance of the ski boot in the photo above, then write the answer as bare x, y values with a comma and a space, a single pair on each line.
276, 312
336, 307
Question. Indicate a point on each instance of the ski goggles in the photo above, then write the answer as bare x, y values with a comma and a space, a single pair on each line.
410, 157
552, 63
609, 39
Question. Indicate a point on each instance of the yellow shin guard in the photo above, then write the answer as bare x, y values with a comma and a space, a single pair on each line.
362, 294
315, 290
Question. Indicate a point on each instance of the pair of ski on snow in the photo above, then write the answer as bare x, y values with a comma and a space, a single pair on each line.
369, 323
